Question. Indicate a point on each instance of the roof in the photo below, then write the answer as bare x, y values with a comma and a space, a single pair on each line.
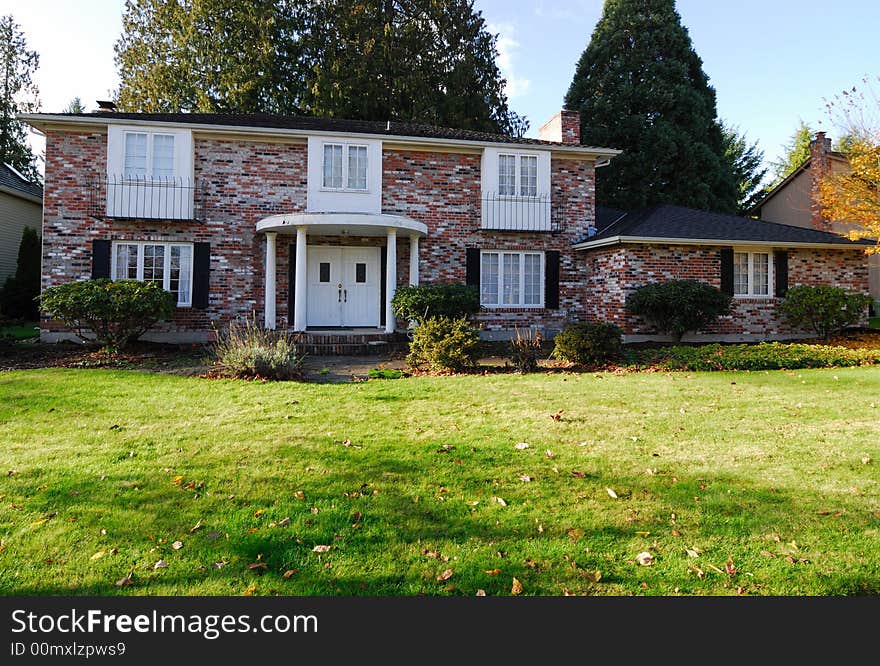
12, 182
667, 223
606, 216
782, 184
310, 124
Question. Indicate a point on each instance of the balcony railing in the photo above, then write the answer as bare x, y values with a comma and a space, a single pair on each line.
145, 198
519, 213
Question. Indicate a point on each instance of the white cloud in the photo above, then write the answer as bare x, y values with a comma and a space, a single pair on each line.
507, 50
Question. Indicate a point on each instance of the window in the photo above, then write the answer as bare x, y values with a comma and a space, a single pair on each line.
167, 264
512, 279
345, 167
324, 271
360, 273
148, 156
752, 273
521, 180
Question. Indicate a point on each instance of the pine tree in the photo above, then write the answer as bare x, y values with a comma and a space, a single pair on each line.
75, 106
746, 161
18, 94
794, 153
640, 87
18, 294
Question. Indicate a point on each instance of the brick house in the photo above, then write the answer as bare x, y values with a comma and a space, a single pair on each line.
311, 224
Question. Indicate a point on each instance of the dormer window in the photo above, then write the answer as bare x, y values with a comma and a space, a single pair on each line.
517, 175
148, 156
345, 167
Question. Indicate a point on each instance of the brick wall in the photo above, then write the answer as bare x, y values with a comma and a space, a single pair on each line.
616, 272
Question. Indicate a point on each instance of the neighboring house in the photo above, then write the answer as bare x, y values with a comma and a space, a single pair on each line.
21, 205
795, 200
311, 224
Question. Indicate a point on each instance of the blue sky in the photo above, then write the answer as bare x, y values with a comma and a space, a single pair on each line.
772, 62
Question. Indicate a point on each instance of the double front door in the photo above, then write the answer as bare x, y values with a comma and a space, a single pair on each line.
344, 286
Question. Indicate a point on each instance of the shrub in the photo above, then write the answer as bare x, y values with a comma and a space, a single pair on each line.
588, 343
524, 351
19, 293
115, 312
443, 344
763, 356
823, 309
435, 300
385, 373
678, 306
246, 350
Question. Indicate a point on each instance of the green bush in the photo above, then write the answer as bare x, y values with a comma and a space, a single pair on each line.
435, 300
524, 350
823, 309
444, 344
678, 306
588, 343
246, 350
115, 312
763, 356
385, 373
19, 293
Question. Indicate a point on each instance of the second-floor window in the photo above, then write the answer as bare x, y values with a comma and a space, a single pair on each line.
517, 175
148, 156
345, 167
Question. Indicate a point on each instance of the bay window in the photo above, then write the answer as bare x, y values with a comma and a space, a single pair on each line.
511, 279
752, 273
169, 265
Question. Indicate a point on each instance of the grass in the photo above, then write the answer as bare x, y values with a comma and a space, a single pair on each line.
23, 331
771, 474
874, 322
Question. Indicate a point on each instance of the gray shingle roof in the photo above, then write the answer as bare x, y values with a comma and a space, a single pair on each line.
667, 221
261, 120
10, 179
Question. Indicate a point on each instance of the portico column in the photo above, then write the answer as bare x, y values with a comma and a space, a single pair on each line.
269, 310
300, 292
390, 279
414, 261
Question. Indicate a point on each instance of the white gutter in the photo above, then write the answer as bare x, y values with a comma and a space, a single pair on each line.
41, 120
615, 240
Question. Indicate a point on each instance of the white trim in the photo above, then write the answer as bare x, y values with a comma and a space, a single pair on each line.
619, 240
166, 264
750, 253
38, 120
522, 280
365, 224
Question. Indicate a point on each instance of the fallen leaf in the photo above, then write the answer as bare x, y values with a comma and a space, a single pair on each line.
645, 559
493, 572
177, 545
284, 522
525, 478
125, 582
259, 512
691, 552
575, 533
177, 480
866, 460
611, 493
250, 591
558, 415
289, 573
767, 553
521, 446
195, 527
481, 593
500, 500
218, 565
36, 523
594, 576
516, 587
97, 556
161, 564
549, 453
446, 575
299, 494
730, 567
210, 536
579, 475
356, 517
346, 442
257, 566
321, 549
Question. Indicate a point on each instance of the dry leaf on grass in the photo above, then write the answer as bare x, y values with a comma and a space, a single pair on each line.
645, 559
259, 567
446, 575
692, 552
177, 545
289, 573
250, 591
321, 549
521, 446
500, 501
549, 453
481, 593
611, 493
493, 572
516, 587
284, 522
259, 512
161, 564
195, 527
579, 475
299, 494
558, 415
125, 582
97, 555
730, 567
525, 478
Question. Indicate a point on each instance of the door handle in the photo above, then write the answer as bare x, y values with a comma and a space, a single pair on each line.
346, 295
339, 296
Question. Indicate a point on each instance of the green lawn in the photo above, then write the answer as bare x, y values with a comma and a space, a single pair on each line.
23, 331
874, 322
769, 479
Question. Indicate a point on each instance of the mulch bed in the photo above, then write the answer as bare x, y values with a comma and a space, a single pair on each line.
142, 355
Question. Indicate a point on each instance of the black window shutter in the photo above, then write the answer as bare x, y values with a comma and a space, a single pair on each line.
472, 267
201, 275
780, 259
551, 279
383, 271
100, 259
291, 283
727, 271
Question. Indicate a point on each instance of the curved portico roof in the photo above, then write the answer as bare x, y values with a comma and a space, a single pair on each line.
337, 224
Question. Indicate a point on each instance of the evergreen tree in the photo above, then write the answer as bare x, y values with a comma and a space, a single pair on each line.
640, 87
746, 161
794, 153
19, 291
75, 106
18, 94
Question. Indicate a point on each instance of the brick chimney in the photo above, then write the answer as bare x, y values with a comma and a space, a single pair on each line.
564, 127
820, 166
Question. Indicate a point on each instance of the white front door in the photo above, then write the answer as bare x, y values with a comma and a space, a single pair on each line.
344, 286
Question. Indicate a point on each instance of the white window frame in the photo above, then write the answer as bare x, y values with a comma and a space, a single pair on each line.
517, 178
346, 146
149, 166
166, 277
522, 280
771, 277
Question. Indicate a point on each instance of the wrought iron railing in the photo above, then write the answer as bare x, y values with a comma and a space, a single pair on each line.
118, 196
521, 213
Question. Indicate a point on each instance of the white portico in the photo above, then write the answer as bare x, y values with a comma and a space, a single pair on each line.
339, 286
